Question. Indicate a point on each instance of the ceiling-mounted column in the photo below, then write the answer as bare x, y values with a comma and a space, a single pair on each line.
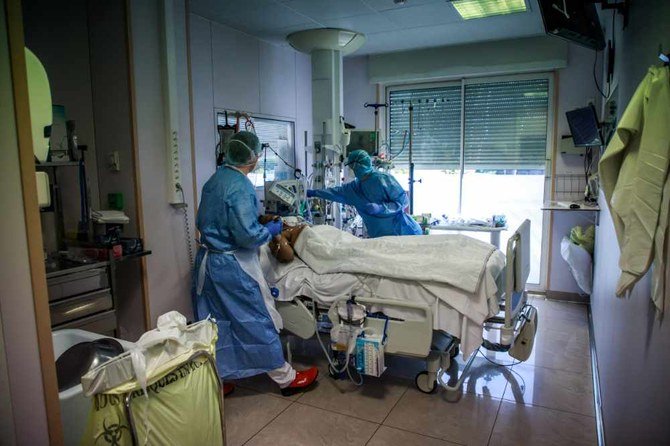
327, 98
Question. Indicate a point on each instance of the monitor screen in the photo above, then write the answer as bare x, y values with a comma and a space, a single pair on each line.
574, 20
364, 140
584, 127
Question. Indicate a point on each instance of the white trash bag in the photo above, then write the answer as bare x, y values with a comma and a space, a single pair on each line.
580, 263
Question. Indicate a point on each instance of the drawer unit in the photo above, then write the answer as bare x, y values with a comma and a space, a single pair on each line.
77, 283
101, 323
80, 306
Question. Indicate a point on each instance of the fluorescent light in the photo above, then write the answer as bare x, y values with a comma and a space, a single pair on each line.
476, 9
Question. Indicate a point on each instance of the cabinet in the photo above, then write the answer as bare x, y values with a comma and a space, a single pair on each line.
83, 296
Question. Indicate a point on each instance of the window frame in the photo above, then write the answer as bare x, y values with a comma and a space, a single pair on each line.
222, 111
551, 136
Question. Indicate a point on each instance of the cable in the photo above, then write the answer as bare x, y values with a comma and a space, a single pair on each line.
327, 355
187, 227
498, 363
595, 77
404, 140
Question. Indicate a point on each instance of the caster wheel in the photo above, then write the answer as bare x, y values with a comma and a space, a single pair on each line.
454, 352
422, 383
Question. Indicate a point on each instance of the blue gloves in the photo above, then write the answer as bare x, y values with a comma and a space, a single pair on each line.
274, 227
374, 208
311, 193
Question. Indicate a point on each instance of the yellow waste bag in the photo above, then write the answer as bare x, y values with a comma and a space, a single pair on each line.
180, 407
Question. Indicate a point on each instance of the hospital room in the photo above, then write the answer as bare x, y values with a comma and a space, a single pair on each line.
334, 222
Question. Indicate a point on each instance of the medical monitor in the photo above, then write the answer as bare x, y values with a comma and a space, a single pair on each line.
367, 140
573, 20
584, 127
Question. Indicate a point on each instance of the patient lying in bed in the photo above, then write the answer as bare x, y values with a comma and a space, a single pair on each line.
454, 274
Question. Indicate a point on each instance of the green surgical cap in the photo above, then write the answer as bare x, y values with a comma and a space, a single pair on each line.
243, 148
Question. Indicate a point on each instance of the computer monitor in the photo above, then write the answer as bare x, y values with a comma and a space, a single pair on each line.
367, 140
584, 127
574, 20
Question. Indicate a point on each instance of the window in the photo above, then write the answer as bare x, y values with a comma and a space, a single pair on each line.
479, 149
279, 135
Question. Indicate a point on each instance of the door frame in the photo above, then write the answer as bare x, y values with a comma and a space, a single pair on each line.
32, 217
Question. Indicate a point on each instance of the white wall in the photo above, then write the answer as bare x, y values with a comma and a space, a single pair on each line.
632, 342
237, 72
576, 87
23, 372
357, 91
477, 59
168, 268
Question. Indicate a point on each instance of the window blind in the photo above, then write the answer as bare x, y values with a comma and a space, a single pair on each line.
279, 134
437, 127
506, 124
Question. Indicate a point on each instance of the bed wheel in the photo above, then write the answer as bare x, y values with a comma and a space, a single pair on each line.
423, 384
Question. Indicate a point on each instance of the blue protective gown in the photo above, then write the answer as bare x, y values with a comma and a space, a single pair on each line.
248, 342
380, 188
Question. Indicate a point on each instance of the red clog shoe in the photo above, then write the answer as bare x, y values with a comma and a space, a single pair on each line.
303, 380
228, 388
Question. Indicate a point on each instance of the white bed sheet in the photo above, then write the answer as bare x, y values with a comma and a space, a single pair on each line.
455, 311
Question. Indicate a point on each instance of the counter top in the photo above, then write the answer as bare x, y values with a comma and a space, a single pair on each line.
565, 206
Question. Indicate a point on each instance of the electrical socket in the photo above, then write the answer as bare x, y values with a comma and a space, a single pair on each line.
114, 161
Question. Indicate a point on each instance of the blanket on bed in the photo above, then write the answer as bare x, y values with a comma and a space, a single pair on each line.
457, 260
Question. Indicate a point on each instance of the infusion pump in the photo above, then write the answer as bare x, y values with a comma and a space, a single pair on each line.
283, 197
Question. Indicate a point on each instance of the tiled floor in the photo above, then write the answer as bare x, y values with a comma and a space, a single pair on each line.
547, 400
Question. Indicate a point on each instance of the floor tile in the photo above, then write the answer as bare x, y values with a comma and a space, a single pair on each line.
553, 389
562, 349
301, 425
372, 401
468, 421
551, 310
519, 425
483, 378
246, 413
388, 436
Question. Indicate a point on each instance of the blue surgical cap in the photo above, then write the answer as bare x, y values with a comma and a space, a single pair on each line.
360, 162
242, 149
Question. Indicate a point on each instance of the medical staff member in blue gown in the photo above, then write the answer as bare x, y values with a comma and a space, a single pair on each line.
378, 198
228, 281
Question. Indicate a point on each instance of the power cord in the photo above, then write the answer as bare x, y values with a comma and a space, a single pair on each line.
187, 227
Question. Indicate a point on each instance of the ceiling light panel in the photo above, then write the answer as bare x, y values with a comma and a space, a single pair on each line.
477, 9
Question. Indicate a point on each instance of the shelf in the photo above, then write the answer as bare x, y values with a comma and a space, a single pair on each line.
134, 255
565, 206
63, 164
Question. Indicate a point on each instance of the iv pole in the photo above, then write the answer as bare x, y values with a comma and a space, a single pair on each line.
411, 161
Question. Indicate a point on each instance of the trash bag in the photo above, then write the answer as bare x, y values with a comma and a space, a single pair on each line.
584, 238
579, 261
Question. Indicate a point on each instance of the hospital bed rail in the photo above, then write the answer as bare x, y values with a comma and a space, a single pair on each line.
514, 309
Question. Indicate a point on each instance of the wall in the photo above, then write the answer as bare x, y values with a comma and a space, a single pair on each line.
576, 88
633, 345
168, 268
357, 91
23, 372
265, 80
477, 59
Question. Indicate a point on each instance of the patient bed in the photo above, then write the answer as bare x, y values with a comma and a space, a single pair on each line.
427, 319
